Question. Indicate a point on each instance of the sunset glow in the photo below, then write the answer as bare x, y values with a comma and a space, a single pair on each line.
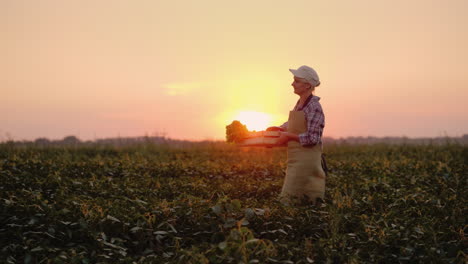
254, 120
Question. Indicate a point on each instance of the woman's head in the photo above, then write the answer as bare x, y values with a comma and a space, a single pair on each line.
302, 86
305, 74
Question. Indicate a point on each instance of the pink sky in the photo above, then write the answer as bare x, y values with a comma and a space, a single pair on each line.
97, 69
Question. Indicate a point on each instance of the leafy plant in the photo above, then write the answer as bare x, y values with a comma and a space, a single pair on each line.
236, 131
216, 203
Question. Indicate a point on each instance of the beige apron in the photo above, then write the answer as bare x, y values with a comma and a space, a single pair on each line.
305, 178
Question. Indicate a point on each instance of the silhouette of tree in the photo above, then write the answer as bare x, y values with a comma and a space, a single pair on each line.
70, 140
42, 141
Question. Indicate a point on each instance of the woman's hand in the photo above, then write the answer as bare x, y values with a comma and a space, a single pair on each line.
285, 137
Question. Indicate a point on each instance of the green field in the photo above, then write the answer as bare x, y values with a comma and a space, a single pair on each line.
216, 203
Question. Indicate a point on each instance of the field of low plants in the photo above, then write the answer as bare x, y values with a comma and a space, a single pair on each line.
217, 203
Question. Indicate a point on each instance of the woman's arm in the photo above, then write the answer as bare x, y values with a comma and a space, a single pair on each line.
315, 124
285, 137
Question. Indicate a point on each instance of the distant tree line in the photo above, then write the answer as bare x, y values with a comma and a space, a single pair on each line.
159, 140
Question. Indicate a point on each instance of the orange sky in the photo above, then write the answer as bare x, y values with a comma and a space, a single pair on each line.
97, 69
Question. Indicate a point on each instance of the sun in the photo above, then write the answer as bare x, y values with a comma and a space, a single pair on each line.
254, 120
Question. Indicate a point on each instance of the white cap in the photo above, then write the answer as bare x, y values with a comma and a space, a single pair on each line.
307, 73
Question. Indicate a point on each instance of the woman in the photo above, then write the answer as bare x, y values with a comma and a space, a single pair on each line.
305, 178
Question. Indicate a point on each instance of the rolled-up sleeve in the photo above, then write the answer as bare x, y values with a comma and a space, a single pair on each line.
315, 124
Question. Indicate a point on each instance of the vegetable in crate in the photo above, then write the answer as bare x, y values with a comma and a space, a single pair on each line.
236, 131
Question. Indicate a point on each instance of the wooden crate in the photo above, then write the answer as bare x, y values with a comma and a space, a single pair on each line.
260, 139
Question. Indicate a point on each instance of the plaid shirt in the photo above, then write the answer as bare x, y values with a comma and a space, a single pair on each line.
315, 121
